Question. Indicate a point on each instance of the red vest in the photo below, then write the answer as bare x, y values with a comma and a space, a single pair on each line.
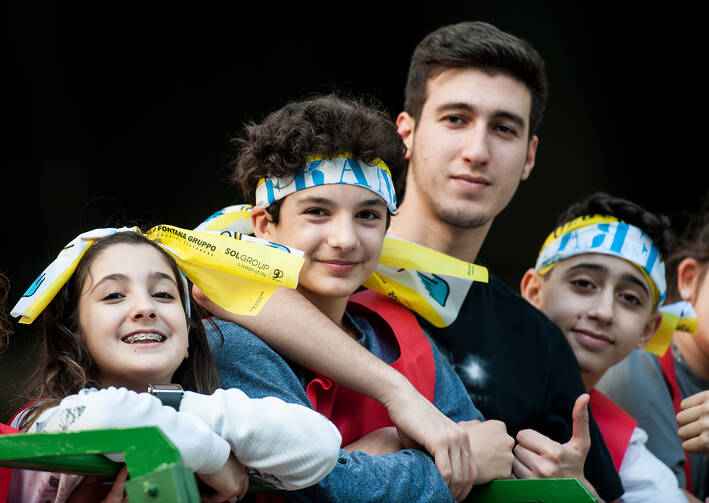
615, 424
5, 473
668, 370
355, 414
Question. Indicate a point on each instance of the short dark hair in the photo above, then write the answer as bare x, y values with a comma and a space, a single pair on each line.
65, 365
325, 126
476, 45
692, 242
656, 226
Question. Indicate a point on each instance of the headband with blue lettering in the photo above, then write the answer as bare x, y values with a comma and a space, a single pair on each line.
341, 169
609, 236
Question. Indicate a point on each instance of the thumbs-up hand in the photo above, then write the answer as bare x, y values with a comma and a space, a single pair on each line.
538, 456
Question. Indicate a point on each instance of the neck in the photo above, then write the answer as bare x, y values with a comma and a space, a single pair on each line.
590, 379
417, 223
332, 307
693, 354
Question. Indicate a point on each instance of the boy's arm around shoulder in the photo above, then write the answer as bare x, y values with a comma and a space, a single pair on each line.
247, 362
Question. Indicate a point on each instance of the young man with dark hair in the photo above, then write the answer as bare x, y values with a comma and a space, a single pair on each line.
600, 277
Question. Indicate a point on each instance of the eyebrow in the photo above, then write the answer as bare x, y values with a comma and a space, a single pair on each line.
498, 114
604, 270
375, 201
120, 278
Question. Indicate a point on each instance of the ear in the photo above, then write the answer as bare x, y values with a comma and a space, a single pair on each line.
261, 222
650, 328
405, 127
687, 277
531, 157
531, 287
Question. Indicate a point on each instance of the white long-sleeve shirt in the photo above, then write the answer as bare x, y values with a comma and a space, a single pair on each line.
645, 478
284, 445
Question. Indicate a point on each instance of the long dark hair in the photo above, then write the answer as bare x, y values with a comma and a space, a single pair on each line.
65, 365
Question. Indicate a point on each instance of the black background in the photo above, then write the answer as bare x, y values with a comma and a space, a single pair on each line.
118, 113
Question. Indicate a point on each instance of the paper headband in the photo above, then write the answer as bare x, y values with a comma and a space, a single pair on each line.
428, 282
342, 169
609, 236
237, 275
677, 316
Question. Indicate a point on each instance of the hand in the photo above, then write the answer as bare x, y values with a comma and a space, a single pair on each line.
117, 493
694, 423
420, 423
382, 441
492, 449
229, 481
538, 456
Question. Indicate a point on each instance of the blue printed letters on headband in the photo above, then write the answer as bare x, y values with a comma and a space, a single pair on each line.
340, 170
606, 235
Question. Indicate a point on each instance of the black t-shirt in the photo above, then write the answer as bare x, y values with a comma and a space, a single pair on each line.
518, 368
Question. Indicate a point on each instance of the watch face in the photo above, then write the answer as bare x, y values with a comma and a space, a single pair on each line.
164, 387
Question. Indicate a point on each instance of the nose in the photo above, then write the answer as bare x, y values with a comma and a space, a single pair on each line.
476, 145
342, 233
143, 307
603, 306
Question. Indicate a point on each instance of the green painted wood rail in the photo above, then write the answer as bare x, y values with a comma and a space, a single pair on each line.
158, 475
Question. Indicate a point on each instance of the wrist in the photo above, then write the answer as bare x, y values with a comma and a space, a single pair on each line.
394, 389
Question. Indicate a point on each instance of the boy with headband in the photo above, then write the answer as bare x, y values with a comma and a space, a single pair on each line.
600, 277
323, 173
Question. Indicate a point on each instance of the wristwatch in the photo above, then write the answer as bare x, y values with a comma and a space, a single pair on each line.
169, 394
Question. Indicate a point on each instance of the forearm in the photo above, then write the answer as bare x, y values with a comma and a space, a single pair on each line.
323, 347
283, 441
407, 475
201, 449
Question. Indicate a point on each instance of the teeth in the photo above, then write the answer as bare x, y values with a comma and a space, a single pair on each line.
144, 337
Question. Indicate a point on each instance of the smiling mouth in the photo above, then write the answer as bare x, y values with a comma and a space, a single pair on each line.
143, 338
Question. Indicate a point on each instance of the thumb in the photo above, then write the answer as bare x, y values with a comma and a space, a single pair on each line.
579, 416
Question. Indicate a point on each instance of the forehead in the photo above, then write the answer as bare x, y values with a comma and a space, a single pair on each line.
614, 268
129, 259
479, 90
337, 195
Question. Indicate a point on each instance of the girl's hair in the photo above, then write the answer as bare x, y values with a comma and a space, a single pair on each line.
693, 242
5, 325
65, 365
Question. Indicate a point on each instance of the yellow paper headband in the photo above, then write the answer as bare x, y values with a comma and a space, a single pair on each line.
237, 275
428, 282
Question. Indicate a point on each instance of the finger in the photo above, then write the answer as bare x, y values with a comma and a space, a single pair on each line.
115, 495
692, 430
534, 441
245, 488
444, 465
697, 444
696, 399
521, 471
457, 481
691, 414
581, 435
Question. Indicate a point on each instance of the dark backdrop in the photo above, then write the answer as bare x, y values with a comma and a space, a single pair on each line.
118, 113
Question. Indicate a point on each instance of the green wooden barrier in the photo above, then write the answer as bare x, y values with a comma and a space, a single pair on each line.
157, 473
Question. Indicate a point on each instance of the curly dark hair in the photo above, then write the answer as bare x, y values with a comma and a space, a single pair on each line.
325, 126
64, 363
692, 242
476, 45
656, 226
